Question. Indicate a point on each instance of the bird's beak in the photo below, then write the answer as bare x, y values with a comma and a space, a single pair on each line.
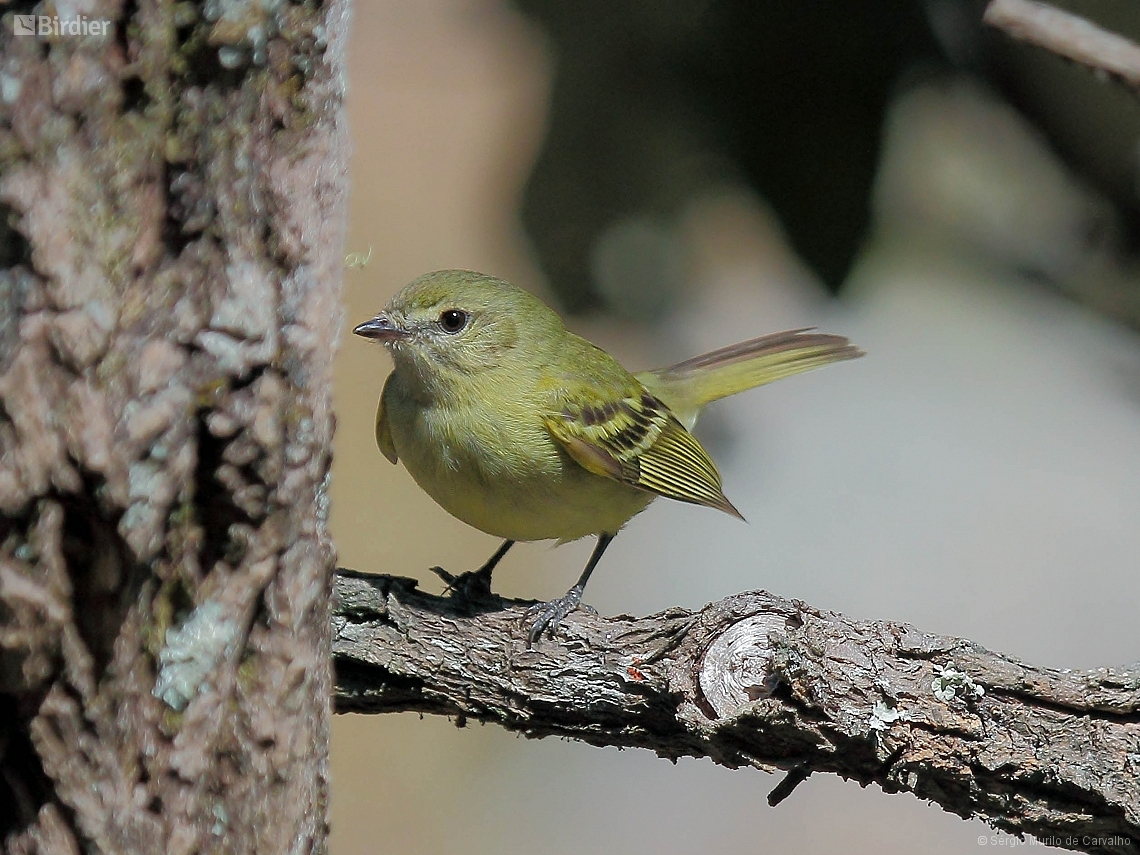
381, 329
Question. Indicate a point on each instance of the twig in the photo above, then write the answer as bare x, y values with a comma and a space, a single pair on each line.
1068, 35
762, 681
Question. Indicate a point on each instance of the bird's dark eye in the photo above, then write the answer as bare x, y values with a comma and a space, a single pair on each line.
452, 320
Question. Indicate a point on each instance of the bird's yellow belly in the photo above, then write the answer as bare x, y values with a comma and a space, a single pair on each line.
510, 478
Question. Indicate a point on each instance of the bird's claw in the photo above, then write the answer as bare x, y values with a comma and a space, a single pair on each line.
472, 586
550, 615
448, 578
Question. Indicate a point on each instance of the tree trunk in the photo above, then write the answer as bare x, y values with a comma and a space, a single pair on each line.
172, 210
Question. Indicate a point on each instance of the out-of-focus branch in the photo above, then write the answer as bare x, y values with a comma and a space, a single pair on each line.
762, 681
1067, 35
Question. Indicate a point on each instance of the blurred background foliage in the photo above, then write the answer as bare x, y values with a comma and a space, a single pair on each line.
653, 104
680, 175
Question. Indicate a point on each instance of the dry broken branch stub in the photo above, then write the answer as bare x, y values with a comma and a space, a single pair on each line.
762, 681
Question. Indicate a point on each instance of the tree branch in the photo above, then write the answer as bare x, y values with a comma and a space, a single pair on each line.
1068, 35
762, 681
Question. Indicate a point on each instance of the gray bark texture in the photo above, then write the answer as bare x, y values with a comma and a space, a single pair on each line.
172, 212
762, 681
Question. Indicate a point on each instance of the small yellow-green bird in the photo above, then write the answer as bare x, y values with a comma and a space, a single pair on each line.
526, 431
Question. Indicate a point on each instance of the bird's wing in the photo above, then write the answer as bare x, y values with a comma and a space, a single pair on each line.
383, 431
636, 440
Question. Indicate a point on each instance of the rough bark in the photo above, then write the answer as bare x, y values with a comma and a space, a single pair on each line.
762, 681
172, 207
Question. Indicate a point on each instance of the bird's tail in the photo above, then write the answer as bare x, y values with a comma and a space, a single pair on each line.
688, 386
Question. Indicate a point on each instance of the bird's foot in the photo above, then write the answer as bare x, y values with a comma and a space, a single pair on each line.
547, 616
471, 587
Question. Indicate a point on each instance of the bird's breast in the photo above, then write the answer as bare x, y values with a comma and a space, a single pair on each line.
499, 469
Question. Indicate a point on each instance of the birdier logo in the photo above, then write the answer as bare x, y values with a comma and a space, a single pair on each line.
53, 25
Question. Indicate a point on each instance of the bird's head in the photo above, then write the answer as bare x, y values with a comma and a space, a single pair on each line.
448, 326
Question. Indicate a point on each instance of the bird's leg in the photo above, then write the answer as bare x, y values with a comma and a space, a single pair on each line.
551, 613
473, 585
